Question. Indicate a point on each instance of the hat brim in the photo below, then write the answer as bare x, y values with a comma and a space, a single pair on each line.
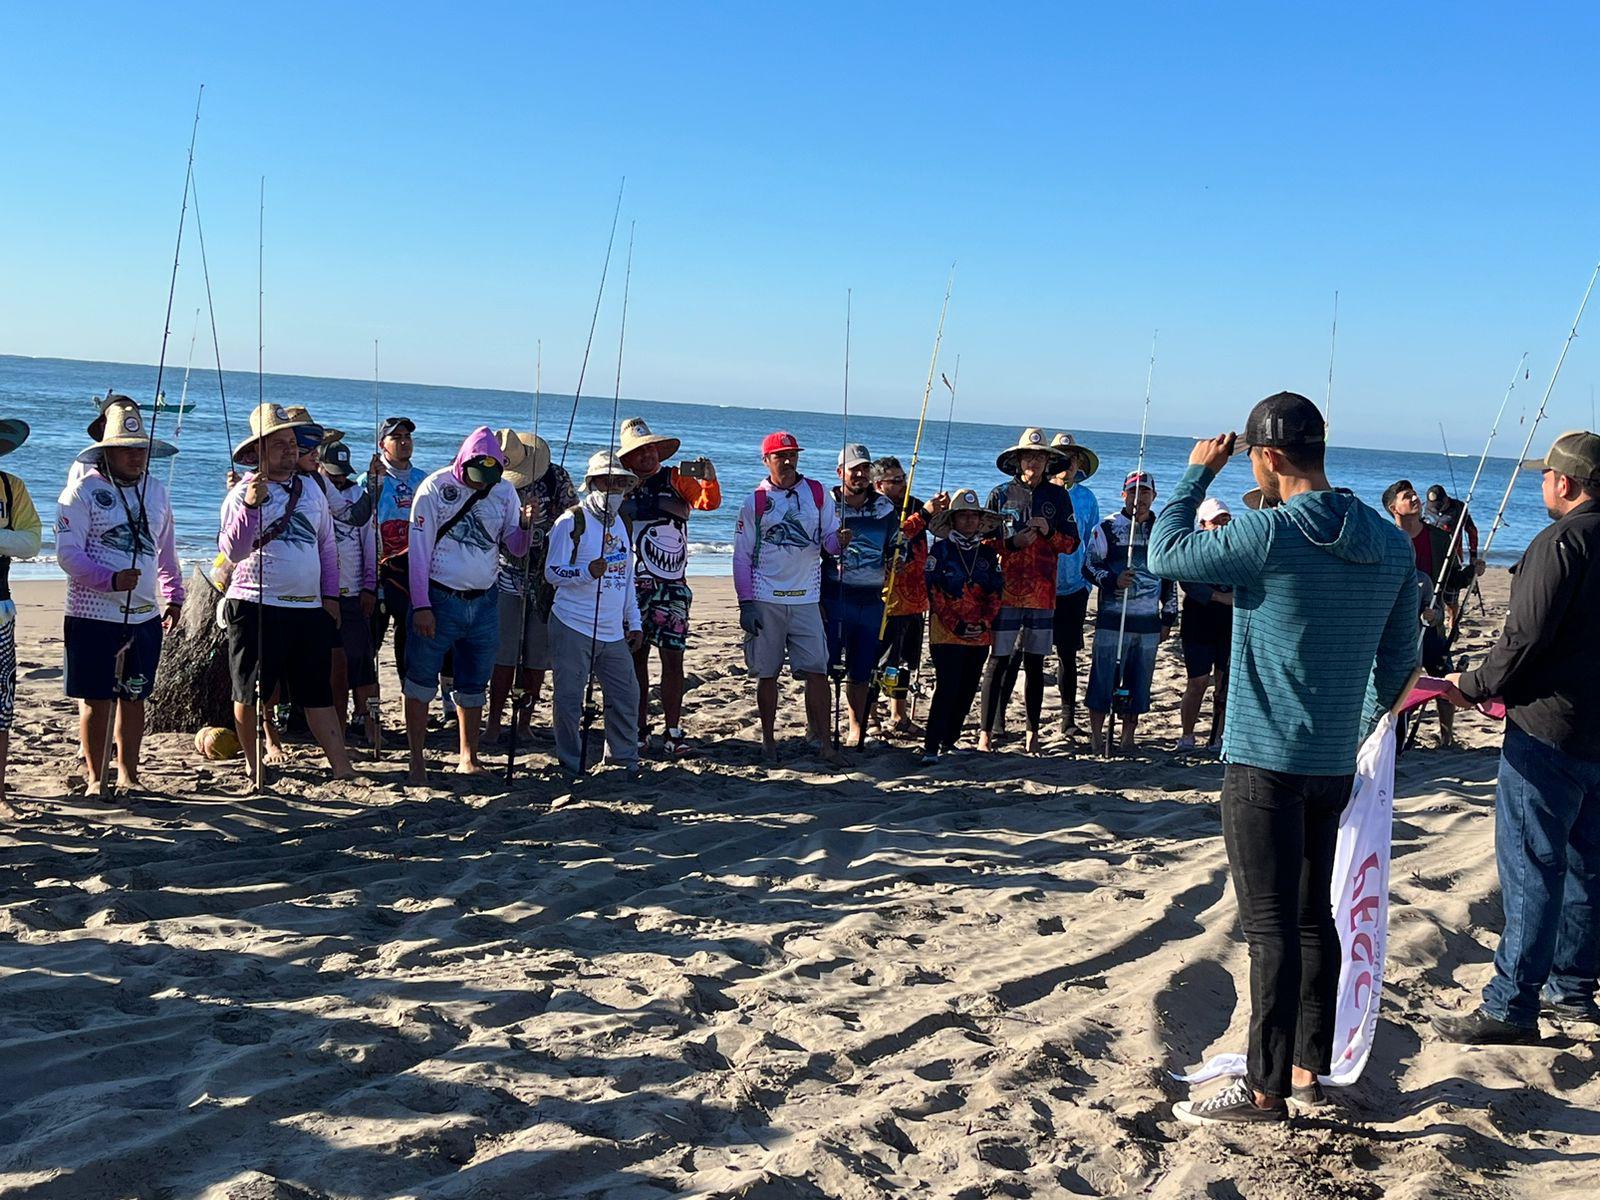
1007, 459
12, 434
244, 451
669, 446
157, 448
628, 475
1091, 459
535, 461
941, 523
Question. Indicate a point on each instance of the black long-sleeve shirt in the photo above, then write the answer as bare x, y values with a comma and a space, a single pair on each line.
1545, 664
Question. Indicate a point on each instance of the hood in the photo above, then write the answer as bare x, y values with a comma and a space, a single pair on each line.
480, 441
1340, 524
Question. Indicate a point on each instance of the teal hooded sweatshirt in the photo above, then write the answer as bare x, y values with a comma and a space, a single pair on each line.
1325, 612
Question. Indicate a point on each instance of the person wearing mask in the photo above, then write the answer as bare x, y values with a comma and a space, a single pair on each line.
1072, 589
900, 652
524, 619
396, 482
1206, 630
461, 516
1039, 527
1445, 512
965, 589
355, 658
1547, 798
1135, 613
1324, 642
19, 538
783, 529
657, 511
282, 606
594, 619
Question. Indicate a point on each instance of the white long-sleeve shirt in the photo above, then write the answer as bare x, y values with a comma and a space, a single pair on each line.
468, 558
779, 540
576, 589
97, 527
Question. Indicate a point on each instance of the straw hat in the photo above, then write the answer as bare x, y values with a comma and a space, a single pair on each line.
1068, 444
636, 435
1032, 439
265, 420
604, 462
125, 429
527, 456
966, 500
12, 434
97, 427
299, 412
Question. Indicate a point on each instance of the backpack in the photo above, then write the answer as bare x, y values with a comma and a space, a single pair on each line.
544, 597
763, 501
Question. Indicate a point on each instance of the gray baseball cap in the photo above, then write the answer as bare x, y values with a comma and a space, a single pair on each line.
853, 455
1575, 453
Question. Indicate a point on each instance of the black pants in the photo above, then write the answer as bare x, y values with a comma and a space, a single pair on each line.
1071, 612
1280, 831
957, 670
1000, 678
395, 585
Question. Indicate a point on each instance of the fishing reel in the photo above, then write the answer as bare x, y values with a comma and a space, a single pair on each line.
894, 682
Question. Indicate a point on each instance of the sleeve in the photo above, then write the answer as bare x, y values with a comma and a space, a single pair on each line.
630, 601
169, 571
359, 512
1094, 560
744, 544
1169, 603
558, 571
22, 539
513, 536
240, 525
72, 536
703, 495
1471, 528
1398, 648
1199, 593
1067, 534
1546, 584
1235, 554
830, 524
368, 535
419, 544
914, 526
328, 553
1459, 573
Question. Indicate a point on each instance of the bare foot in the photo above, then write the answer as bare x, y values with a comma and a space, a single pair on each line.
471, 766
275, 755
985, 742
9, 811
1097, 744
769, 752
129, 780
1030, 743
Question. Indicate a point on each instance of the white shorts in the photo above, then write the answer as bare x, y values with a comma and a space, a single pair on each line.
792, 628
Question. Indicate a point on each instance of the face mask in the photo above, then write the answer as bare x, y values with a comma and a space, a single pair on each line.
965, 541
485, 473
608, 504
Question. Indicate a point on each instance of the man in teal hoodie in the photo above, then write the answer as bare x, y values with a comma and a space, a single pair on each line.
1324, 642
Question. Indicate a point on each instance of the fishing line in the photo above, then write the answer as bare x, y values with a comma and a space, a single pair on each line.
837, 672
205, 270
375, 492
1120, 690
518, 697
950, 419
259, 733
1333, 342
584, 366
183, 400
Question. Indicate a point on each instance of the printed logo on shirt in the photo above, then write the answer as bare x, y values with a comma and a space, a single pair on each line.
450, 492
121, 537
296, 599
103, 498
62, 523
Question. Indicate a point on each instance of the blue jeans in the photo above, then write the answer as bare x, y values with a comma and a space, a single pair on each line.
469, 627
1547, 848
852, 623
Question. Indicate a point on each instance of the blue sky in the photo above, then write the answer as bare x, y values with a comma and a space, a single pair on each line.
443, 180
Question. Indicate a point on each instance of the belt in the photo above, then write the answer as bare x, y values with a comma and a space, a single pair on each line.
461, 593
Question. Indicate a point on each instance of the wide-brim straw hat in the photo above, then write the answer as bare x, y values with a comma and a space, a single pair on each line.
299, 412
527, 456
965, 500
1068, 444
97, 427
12, 434
1032, 439
606, 462
265, 420
125, 430
636, 435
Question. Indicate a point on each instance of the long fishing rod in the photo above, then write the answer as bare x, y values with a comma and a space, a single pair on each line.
1120, 692
836, 670
518, 696
1539, 416
259, 732
205, 270
950, 419
610, 518
878, 678
588, 345
1449, 465
1333, 342
142, 524
183, 401
375, 493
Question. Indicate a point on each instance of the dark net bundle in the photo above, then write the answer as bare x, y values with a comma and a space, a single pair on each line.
192, 688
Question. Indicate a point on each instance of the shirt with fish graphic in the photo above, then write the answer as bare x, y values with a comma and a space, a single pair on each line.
658, 513
300, 566
554, 493
468, 558
95, 539
777, 555
353, 538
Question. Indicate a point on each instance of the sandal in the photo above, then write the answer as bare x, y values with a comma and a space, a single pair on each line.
677, 744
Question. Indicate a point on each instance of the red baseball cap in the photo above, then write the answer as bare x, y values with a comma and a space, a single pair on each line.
782, 440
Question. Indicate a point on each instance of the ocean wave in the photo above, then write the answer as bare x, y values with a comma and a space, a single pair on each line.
710, 547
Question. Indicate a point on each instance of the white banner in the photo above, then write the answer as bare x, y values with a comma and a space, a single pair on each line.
1360, 897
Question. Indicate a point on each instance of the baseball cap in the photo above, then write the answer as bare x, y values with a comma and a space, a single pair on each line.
390, 424
336, 458
853, 455
781, 440
1141, 479
1287, 419
1210, 509
1437, 494
1575, 453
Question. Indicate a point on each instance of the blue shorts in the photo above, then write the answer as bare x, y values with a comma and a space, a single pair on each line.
469, 627
91, 667
852, 625
1138, 667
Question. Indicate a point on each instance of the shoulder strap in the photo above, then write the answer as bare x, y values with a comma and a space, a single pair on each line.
275, 530
460, 513
11, 520
579, 524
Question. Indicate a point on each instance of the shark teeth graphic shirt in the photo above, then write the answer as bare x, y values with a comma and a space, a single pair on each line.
96, 534
468, 557
300, 566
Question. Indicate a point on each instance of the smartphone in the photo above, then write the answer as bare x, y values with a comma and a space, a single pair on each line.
694, 468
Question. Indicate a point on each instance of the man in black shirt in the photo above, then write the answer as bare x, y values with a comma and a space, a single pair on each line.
1547, 804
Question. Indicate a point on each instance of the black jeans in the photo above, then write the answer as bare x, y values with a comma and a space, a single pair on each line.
957, 670
1280, 831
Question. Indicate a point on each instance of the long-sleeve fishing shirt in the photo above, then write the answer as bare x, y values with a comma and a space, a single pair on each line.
605, 608
353, 532
779, 540
1152, 602
467, 558
1030, 570
103, 527
299, 565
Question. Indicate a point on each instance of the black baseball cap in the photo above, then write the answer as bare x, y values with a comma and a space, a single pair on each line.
390, 424
1286, 420
1437, 493
336, 458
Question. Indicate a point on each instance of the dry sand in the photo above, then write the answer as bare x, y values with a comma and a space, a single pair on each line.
958, 982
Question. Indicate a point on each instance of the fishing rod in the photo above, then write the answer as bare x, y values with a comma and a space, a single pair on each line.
610, 519
890, 672
518, 695
375, 493
584, 366
259, 732
1449, 465
205, 270
1121, 694
183, 401
123, 686
950, 420
1333, 342
836, 670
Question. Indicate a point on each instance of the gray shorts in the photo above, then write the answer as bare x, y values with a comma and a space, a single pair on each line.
795, 628
535, 630
1029, 630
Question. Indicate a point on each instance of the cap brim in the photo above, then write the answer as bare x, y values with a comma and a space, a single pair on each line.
12, 434
1535, 464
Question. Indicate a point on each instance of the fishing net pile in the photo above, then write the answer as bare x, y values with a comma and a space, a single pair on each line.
192, 689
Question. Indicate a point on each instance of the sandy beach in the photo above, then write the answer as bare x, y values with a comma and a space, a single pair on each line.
963, 981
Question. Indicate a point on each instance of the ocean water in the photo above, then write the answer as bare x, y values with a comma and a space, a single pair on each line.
56, 398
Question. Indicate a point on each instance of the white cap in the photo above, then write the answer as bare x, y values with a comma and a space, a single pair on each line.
1210, 509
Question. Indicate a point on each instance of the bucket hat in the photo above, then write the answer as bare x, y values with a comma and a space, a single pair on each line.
636, 435
966, 500
1032, 439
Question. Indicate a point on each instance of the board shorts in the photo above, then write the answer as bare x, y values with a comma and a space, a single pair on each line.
1024, 630
295, 653
1207, 639
1072, 610
664, 611
795, 629
8, 672
91, 658
355, 639
535, 641
1138, 668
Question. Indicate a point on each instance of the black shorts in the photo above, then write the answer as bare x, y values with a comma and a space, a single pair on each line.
295, 650
91, 651
902, 641
1207, 637
355, 639
1436, 660
1071, 612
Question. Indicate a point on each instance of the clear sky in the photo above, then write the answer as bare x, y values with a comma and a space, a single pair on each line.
442, 178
